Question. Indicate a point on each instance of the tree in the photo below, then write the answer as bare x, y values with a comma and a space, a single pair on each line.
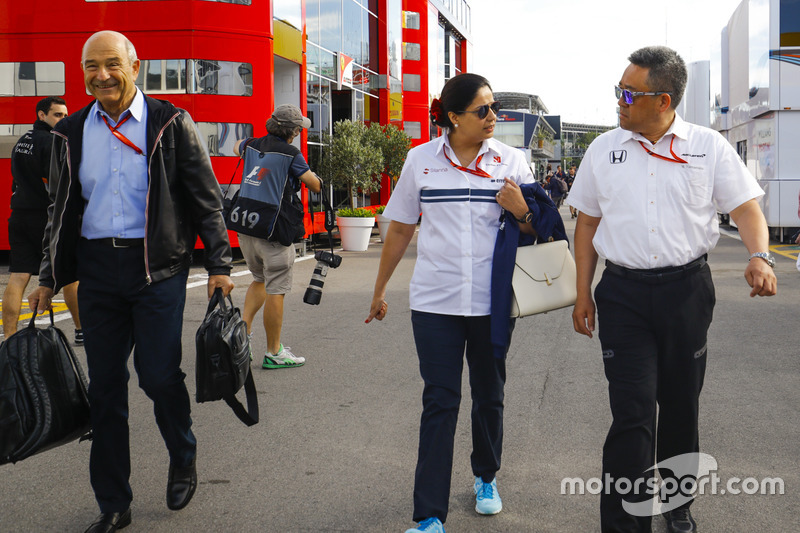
352, 158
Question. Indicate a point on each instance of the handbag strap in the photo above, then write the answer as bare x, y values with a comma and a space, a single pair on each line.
330, 218
233, 176
249, 416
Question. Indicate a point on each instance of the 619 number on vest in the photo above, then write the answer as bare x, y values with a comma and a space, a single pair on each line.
250, 219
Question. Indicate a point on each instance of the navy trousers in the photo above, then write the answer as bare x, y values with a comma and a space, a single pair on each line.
653, 338
120, 313
441, 342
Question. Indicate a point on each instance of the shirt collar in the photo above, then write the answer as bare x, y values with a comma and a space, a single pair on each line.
679, 128
488, 145
136, 109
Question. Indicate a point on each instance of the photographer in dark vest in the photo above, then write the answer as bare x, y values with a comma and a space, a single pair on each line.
270, 262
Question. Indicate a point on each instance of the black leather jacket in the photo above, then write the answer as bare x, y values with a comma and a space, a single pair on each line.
183, 199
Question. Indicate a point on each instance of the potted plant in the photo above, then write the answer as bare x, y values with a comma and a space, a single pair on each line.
352, 158
383, 222
355, 228
394, 145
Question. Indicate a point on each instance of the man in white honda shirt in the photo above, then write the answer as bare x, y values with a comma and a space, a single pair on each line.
646, 194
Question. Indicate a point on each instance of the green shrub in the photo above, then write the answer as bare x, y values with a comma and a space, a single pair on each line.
358, 212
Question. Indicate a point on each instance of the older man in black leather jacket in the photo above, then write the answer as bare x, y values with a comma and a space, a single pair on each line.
131, 189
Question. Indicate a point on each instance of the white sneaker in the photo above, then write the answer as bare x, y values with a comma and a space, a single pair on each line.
282, 359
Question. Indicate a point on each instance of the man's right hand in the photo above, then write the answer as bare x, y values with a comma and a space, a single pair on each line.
583, 315
41, 299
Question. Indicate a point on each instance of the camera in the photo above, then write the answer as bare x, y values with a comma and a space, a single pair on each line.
324, 260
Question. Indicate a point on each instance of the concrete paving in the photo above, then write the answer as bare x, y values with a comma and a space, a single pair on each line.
336, 446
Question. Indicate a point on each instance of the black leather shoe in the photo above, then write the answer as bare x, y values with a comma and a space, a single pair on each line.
110, 522
680, 521
181, 485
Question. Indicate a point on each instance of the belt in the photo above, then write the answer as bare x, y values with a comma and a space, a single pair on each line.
116, 242
657, 275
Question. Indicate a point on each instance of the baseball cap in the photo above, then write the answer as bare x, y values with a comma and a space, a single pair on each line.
290, 115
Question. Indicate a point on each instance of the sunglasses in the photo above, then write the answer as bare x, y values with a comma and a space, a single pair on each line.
630, 95
483, 110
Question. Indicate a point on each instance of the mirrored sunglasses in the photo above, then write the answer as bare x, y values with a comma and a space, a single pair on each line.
630, 95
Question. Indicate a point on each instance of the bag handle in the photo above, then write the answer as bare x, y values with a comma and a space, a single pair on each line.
217, 299
32, 323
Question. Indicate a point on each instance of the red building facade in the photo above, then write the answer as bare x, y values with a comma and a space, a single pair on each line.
230, 62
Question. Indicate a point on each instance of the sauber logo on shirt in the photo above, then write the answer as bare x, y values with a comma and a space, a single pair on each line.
427, 170
256, 175
497, 159
616, 157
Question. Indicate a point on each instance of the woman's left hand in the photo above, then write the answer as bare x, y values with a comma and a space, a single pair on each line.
510, 198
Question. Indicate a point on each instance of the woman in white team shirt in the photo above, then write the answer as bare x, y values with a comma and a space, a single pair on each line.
460, 182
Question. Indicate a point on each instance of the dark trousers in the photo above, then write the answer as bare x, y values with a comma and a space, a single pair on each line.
120, 313
441, 341
653, 338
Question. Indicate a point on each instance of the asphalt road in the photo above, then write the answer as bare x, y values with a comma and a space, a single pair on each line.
336, 447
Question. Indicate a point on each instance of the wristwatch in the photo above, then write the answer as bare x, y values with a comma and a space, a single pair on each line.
527, 217
766, 256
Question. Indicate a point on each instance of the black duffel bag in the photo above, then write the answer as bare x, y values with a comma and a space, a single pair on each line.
43, 399
223, 358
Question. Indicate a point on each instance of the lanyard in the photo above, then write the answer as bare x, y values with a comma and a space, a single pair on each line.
119, 135
670, 159
476, 171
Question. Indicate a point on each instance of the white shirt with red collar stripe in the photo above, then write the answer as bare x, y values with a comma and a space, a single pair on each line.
657, 213
460, 220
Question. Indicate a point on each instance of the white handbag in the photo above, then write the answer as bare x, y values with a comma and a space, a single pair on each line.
544, 279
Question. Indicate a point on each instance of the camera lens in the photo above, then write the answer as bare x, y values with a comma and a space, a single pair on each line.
313, 293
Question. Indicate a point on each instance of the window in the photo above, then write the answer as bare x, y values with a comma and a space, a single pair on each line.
220, 137
510, 133
412, 51
195, 76
220, 77
352, 19
413, 129
412, 82
43, 78
9, 135
163, 75
410, 20
288, 11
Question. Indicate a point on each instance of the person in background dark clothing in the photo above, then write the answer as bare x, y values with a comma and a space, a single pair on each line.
557, 188
133, 188
30, 165
570, 179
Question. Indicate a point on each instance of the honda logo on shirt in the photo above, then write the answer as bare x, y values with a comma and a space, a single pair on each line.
617, 156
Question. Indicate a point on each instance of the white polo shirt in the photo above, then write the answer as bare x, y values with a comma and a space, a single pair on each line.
658, 213
460, 219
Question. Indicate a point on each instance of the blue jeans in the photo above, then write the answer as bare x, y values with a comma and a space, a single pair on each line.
120, 313
441, 341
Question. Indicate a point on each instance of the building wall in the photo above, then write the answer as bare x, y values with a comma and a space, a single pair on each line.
228, 63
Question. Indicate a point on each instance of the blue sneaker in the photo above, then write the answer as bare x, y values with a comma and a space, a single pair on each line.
487, 500
429, 525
